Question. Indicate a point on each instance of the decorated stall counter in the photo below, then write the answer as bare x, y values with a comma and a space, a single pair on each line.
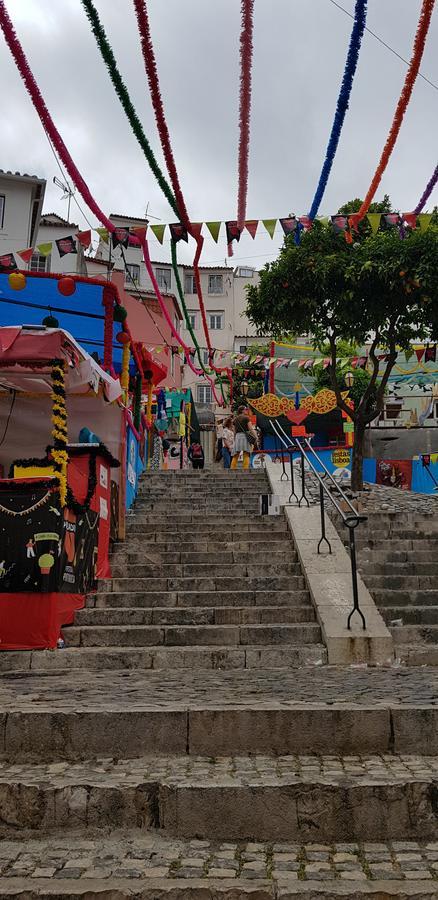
55, 501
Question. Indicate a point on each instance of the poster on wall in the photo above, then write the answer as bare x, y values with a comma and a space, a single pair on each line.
394, 473
30, 538
79, 552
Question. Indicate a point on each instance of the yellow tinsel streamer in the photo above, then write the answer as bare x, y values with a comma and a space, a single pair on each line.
59, 430
124, 375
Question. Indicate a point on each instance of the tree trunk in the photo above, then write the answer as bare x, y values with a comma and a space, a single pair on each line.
357, 457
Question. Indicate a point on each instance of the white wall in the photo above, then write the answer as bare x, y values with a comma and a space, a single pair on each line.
72, 263
15, 234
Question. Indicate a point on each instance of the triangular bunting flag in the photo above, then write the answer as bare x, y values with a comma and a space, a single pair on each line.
233, 234
430, 355
306, 222
66, 245
289, 225
419, 353
196, 229
139, 231
158, 231
84, 238
120, 237
7, 262
270, 226
424, 219
410, 219
252, 226
214, 229
179, 232
25, 254
45, 249
374, 220
408, 354
103, 234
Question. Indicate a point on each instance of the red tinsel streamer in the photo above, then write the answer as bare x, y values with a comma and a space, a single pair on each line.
246, 48
46, 119
405, 96
150, 65
157, 103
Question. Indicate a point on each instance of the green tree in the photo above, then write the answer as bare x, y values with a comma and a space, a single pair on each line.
380, 291
361, 380
252, 373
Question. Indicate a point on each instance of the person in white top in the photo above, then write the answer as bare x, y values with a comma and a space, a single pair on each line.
227, 442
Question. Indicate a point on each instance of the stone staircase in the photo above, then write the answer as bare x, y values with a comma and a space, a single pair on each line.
202, 581
176, 751
398, 559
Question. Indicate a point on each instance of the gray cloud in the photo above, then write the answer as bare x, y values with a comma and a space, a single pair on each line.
299, 56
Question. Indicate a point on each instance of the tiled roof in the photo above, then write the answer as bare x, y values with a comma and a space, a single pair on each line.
20, 175
129, 218
46, 219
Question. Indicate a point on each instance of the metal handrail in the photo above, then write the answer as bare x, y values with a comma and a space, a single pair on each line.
351, 519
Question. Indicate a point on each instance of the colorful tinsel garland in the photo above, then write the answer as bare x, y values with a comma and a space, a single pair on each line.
360, 17
402, 105
426, 193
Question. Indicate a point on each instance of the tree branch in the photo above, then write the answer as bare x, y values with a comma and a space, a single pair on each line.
334, 379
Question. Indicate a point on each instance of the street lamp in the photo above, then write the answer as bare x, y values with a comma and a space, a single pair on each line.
349, 378
244, 387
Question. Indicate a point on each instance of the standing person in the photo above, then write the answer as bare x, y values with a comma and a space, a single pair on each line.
245, 439
227, 442
196, 455
219, 439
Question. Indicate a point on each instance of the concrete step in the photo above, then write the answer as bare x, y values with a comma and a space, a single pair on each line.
386, 598
411, 615
399, 556
179, 520
231, 568
415, 634
214, 583
149, 866
261, 798
191, 635
184, 599
231, 528
151, 553
196, 615
399, 568
389, 544
206, 540
119, 714
176, 658
418, 654
400, 582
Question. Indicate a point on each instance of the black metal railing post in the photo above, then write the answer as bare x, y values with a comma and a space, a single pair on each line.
303, 480
292, 477
352, 541
284, 473
351, 519
321, 506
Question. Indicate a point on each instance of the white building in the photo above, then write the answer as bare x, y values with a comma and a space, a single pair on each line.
21, 203
51, 228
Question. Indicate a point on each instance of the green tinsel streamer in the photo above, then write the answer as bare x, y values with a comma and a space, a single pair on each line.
184, 305
123, 95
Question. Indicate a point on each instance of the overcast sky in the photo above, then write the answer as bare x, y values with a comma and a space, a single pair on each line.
299, 55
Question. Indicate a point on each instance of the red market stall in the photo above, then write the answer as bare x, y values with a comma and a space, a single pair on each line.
55, 496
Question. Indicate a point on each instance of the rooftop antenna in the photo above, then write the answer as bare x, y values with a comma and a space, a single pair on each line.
67, 192
148, 216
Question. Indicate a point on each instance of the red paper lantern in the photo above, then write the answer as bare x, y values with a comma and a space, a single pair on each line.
17, 281
66, 286
122, 337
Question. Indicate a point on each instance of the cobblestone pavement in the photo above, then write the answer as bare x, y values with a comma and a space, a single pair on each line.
149, 856
135, 689
233, 771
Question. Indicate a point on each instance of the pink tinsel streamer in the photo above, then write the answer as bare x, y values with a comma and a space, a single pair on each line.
246, 48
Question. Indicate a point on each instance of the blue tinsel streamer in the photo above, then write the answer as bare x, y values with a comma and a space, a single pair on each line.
360, 16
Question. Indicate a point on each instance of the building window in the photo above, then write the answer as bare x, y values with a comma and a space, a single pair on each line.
216, 321
204, 393
164, 279
243, 348
245, 273
2, 210
192, 319
189, 284
205, 357
132, 273
39, 263
215, 285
